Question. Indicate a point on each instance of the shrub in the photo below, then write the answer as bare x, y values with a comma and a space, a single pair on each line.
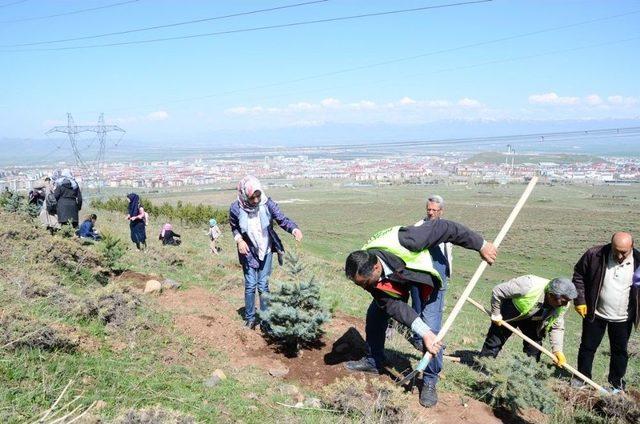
113, 249
295, 315
188, 213
515, 383
377, 401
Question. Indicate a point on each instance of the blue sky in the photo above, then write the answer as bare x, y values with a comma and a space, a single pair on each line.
203, 89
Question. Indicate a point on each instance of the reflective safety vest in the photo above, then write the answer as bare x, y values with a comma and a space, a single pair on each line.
387, 240
524, 304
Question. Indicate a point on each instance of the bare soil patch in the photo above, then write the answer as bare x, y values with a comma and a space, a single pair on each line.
214, 323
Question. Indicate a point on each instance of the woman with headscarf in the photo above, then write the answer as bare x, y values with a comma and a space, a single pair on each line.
137, 221
251, 218
68, 198
168, 237
48, 214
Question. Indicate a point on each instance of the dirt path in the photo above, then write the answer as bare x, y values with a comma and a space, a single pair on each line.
215, 323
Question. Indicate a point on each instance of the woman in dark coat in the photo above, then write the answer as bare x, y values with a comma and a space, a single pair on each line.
69, 198
137, 221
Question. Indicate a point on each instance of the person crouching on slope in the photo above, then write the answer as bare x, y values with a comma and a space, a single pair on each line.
392, 262
168, 236
536, 306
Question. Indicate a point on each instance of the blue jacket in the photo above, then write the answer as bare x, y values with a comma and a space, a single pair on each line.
272, 212
86, 229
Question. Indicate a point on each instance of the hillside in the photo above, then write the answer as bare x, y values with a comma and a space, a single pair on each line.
69, 317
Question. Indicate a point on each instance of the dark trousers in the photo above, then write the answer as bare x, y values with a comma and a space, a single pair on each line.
592, 334
378, 320
497, 336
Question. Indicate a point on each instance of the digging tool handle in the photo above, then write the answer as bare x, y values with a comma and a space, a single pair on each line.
541, 349
422, 365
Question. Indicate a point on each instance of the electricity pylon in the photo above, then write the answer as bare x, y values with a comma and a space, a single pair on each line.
91, 168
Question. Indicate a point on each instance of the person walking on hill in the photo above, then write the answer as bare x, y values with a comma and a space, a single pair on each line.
251, 219
48, 214
168, 236
536, 306
137, 221
607, 278
214, 234
68, 197
390, 264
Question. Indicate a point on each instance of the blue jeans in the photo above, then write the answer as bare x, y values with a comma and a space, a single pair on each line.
378, 320
256, 278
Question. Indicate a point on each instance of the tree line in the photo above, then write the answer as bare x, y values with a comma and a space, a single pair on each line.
186, 213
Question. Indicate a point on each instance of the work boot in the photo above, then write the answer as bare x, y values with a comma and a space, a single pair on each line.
428, 395
363, 365
250, 324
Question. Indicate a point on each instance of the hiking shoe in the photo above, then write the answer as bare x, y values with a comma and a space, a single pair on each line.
428, 395
250, 324
363, 365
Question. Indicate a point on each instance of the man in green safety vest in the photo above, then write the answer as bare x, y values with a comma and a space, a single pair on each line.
536, 306
388, 266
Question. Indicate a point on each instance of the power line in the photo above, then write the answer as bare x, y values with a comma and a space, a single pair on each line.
11, 4
175, 24
421, 55
253, 29
385, 80
68, 13
514, 138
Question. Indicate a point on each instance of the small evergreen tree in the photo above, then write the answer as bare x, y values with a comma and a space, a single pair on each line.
515, 383
294, 266
67, 230
113, 249
295, 315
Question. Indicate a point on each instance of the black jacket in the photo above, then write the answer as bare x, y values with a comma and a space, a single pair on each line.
588, 275
430, 233
69, 202
170, 238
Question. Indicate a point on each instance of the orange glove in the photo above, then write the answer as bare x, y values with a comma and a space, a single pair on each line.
581, 309
560, 360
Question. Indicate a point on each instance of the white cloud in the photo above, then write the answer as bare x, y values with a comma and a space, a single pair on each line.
436, 103
160, 115
467, 102
407, 101
302, 106
622, 101
553, 99
363, 105
330, 102
593, 100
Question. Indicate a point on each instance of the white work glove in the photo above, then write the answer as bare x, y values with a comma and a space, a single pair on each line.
497, 319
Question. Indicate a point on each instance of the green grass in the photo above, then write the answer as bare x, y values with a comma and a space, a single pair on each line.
556, 226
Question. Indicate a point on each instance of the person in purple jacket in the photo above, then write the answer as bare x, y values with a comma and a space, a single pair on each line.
251, 218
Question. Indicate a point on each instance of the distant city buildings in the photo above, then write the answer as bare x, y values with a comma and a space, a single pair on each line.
454, 168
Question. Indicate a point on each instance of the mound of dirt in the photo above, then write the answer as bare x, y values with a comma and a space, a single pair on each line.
117, 307
17, 330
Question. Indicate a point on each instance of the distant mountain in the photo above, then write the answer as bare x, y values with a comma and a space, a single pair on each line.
132, 146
